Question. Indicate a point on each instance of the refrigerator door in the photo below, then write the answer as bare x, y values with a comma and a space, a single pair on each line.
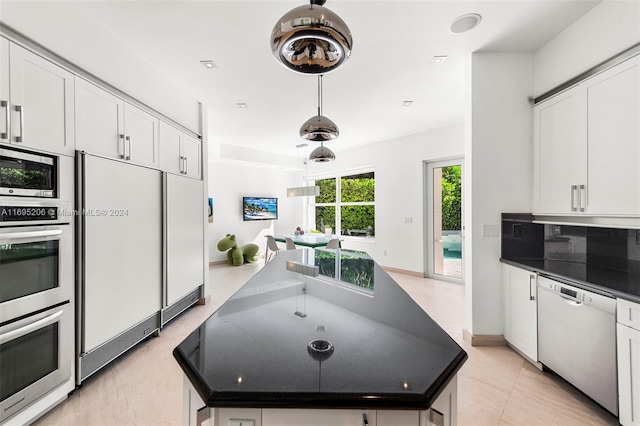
185, 236
122, 248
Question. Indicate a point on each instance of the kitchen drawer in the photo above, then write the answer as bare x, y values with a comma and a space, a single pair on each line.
629, 314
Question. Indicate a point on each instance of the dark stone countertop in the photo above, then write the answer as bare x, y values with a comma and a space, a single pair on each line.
253, 351
606, 281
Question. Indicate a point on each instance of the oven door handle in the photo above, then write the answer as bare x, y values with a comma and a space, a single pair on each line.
19, 332
30, 234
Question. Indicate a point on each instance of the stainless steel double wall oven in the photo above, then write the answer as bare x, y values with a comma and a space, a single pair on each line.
36, 277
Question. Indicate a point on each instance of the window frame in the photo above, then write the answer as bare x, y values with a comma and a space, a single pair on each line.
338, 203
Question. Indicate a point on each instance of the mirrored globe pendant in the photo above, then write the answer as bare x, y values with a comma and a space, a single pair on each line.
319, 128
311, 39
322, 154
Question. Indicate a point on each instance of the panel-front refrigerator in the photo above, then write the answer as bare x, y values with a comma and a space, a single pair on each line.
120, 258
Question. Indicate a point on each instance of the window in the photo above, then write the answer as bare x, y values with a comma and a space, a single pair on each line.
346, 205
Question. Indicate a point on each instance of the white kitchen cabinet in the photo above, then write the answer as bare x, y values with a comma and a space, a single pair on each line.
37, 101
521, 317
443, 412
121, 249
586, 146
628, 337
111, 127
179, 152
613, 140
185, 236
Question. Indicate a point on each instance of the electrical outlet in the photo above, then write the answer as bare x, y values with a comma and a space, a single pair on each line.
385, 252
557, 230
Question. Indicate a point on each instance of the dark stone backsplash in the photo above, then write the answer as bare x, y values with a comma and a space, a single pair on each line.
617, 249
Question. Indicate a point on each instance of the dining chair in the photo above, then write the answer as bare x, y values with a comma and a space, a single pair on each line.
333, 243
272, 245
290, 244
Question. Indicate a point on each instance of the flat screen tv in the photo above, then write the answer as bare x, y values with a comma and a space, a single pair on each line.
259, 208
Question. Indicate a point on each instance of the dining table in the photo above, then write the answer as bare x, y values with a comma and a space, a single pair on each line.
312, 240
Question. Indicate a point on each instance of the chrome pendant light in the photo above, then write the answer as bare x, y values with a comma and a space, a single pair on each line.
322, 154
311, 39
319, 128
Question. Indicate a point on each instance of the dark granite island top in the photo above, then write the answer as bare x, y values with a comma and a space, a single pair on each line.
383, 350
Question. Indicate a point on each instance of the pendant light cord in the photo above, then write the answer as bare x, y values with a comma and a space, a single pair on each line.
319, 95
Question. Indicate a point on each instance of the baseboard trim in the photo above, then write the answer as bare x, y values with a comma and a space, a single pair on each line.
403, 271
484, 339
217, 262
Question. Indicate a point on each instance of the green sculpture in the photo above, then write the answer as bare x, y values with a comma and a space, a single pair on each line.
238, 255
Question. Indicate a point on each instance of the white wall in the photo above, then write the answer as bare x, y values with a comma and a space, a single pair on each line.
400, 189
498, 174
228, 183
605, 31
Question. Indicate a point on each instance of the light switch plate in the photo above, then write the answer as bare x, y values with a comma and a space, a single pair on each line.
242, 422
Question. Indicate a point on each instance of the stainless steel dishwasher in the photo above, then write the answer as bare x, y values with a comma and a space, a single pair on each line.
577, 339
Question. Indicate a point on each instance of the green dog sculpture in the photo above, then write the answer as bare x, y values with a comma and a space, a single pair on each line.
238, 255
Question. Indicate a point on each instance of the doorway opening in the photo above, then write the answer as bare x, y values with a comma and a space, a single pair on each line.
444, 242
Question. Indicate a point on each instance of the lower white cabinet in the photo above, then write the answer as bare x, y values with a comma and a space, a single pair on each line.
521, 317
443, 412
628, 330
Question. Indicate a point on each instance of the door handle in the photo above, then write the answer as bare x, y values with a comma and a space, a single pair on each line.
121, 139
7, 117
127, 142
532, 295
20, 111
186, 165
582, 191
30, 234
29, 328
574, 189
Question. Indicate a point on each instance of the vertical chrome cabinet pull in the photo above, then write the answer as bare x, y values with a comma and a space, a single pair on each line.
181, 167
365, 420
20, 111
574, 189
7, 117
121, 139
128, 142
532, 295
186, 165
582, 197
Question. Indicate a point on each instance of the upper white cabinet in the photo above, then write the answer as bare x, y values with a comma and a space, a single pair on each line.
587, 146
107, 125
521, 317
179, 152
36, 101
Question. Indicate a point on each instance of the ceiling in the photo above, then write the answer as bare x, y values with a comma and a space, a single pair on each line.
394, 43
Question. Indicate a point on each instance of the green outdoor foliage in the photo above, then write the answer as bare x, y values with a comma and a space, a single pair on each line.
356, 188
354, 269
451, 198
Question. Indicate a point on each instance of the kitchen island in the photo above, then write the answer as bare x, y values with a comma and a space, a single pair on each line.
322, 337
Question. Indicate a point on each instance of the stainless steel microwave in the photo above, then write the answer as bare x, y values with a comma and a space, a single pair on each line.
27, 174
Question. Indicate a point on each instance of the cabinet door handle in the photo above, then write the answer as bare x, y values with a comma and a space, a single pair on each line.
532, 295
7, 117
186, 165
121, 139
20, 111
582, 195
128, 142
574, 189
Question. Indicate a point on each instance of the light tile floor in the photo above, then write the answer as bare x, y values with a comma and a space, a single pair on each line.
496, 386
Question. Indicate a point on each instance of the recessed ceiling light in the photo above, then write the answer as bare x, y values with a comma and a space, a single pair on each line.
465, 23
438, 59
209, 64
407, 103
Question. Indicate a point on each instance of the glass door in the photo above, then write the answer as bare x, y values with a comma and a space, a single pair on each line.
444, 247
